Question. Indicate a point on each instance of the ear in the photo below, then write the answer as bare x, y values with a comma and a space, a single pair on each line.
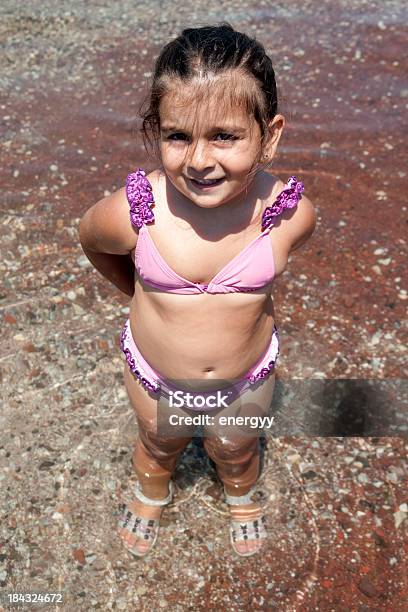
275, 129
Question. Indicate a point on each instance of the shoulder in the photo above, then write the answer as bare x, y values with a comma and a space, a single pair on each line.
296, 224
301, 224
108, 226
105, 226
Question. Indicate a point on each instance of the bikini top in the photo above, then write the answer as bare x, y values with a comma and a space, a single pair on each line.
251, 269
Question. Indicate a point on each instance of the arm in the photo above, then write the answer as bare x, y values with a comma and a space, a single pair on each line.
301, 225
107, 237
118, 269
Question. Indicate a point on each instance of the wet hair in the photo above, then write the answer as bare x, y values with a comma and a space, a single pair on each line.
208, 58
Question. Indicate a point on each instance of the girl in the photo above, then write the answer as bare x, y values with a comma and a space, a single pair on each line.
191, 243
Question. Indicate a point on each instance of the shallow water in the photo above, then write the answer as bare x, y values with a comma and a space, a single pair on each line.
72, 79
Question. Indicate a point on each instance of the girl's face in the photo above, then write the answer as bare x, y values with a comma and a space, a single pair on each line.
197, 147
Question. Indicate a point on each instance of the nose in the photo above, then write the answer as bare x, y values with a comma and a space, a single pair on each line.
200, 157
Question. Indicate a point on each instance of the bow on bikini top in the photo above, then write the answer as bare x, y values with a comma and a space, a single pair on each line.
251, 269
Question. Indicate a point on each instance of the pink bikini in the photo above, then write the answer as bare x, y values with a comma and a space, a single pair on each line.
251, 269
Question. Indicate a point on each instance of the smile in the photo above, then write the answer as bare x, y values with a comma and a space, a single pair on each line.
206, 183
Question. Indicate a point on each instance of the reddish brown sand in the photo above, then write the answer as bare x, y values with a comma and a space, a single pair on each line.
72, 82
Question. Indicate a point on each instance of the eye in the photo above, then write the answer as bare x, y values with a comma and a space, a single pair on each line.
227, 136
176, 136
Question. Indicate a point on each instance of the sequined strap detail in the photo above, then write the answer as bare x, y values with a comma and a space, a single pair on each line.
134, 366
140, 197
274, 353
288, 198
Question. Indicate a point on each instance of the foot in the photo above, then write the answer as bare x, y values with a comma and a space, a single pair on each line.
247, 528
139, 524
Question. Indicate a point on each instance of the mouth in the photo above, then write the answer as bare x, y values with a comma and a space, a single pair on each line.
206, 184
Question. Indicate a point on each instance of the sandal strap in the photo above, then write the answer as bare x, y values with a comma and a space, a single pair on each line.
147, 529
154, 502
242, 531
233, 500
131, 521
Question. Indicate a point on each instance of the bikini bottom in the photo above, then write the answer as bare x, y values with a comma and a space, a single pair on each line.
200, 400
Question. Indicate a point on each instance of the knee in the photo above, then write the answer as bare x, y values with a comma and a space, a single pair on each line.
223, 449
160, 447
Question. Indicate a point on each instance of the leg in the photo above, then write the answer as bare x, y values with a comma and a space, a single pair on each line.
154, 460
237, 460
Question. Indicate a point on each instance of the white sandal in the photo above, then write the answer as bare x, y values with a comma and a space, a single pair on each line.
148, 529
245, 531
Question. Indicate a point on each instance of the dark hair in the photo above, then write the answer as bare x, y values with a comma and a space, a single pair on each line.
210, 52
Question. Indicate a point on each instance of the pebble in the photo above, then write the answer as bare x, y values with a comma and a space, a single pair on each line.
78, 310
293, 458
141, 590
381, 195
399, 517
392, 477
83, 262
79, 555
366, 587
375, 339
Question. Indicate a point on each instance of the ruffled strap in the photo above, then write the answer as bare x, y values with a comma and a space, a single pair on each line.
140, 197
288, 198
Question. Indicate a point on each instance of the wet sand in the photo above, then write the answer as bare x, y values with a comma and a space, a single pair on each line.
72, 80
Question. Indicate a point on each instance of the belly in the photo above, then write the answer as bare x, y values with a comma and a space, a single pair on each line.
205, 338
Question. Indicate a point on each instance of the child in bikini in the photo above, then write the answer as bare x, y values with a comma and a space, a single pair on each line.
191, 244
